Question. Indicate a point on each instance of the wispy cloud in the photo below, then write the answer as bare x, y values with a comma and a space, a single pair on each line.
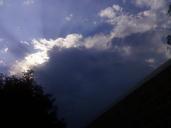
2, 2
125, 23
153, 4
69, 17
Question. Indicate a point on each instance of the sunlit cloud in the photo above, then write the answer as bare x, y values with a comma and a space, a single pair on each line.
25, 43
98, 41
42, 47
124, 24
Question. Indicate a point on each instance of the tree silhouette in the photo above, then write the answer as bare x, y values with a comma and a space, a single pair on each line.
169, 36
24, 104
169, 10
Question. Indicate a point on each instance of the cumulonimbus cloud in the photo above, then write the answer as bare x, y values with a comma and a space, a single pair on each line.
42, 47
124, 24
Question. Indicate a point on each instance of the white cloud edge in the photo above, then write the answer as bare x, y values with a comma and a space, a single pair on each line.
124, 24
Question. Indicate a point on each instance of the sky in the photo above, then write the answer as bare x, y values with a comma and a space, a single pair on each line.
87, 53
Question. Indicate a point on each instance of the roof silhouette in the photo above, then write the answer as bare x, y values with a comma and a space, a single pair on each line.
148, 106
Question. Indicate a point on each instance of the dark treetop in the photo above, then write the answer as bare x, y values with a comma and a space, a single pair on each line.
23, 104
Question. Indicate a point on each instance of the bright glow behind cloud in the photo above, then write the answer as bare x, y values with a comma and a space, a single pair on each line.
124, 24
42, 48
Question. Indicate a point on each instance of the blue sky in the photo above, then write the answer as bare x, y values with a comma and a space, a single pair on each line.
88, 53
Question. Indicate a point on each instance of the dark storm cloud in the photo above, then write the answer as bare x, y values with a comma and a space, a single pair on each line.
85, 82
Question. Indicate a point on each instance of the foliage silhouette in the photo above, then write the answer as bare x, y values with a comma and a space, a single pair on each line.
169, 36
23, 104
169, 10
